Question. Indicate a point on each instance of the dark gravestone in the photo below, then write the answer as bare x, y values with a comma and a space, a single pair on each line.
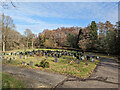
11, 53
88, 57
25, 53
13, 58
55, 54
65, 53
42, 54
36, 65
58, 56
56, 59
31, 63
75, 54
77, 57
48, 55
10, 60
52, 55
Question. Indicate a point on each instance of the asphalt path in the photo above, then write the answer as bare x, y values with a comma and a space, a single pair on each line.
104, 76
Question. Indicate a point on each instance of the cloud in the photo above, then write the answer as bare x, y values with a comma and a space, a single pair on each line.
38, 28
29, 15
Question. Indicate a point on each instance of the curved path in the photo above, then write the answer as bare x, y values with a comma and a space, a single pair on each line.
104, 76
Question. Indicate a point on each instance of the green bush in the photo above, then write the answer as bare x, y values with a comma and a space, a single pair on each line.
44, 64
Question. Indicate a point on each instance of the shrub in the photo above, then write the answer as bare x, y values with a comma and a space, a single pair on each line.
44, 64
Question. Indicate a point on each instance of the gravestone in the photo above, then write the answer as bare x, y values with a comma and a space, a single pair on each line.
78, 61
92, 60
10, 60
88, 57
13, 58
82, 58
23, 63
58, 56
98, 57
20, 57
7, 58
25, 57
77, 57
31, 63
56, 59
9, 53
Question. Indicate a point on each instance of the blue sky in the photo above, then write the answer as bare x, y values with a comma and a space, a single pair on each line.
38, 16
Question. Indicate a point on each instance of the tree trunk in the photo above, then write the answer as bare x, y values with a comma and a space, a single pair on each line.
27, 44
3, 42
32, 44
3, 46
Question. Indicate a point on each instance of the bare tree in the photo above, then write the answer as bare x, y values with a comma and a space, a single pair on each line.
7, 23
6, 4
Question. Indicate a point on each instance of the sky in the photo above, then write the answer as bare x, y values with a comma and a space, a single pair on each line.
38, 16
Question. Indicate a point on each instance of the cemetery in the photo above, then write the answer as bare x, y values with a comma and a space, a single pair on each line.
66, 45
66, 62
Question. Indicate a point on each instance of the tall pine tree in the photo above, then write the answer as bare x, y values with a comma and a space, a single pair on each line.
93, 34
78, 37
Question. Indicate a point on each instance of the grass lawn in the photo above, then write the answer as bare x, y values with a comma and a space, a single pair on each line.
10, 82
62, 66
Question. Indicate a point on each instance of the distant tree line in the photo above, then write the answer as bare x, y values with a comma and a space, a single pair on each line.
103, 37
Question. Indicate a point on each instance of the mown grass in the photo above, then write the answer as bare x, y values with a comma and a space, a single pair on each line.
10, 82
62, 66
